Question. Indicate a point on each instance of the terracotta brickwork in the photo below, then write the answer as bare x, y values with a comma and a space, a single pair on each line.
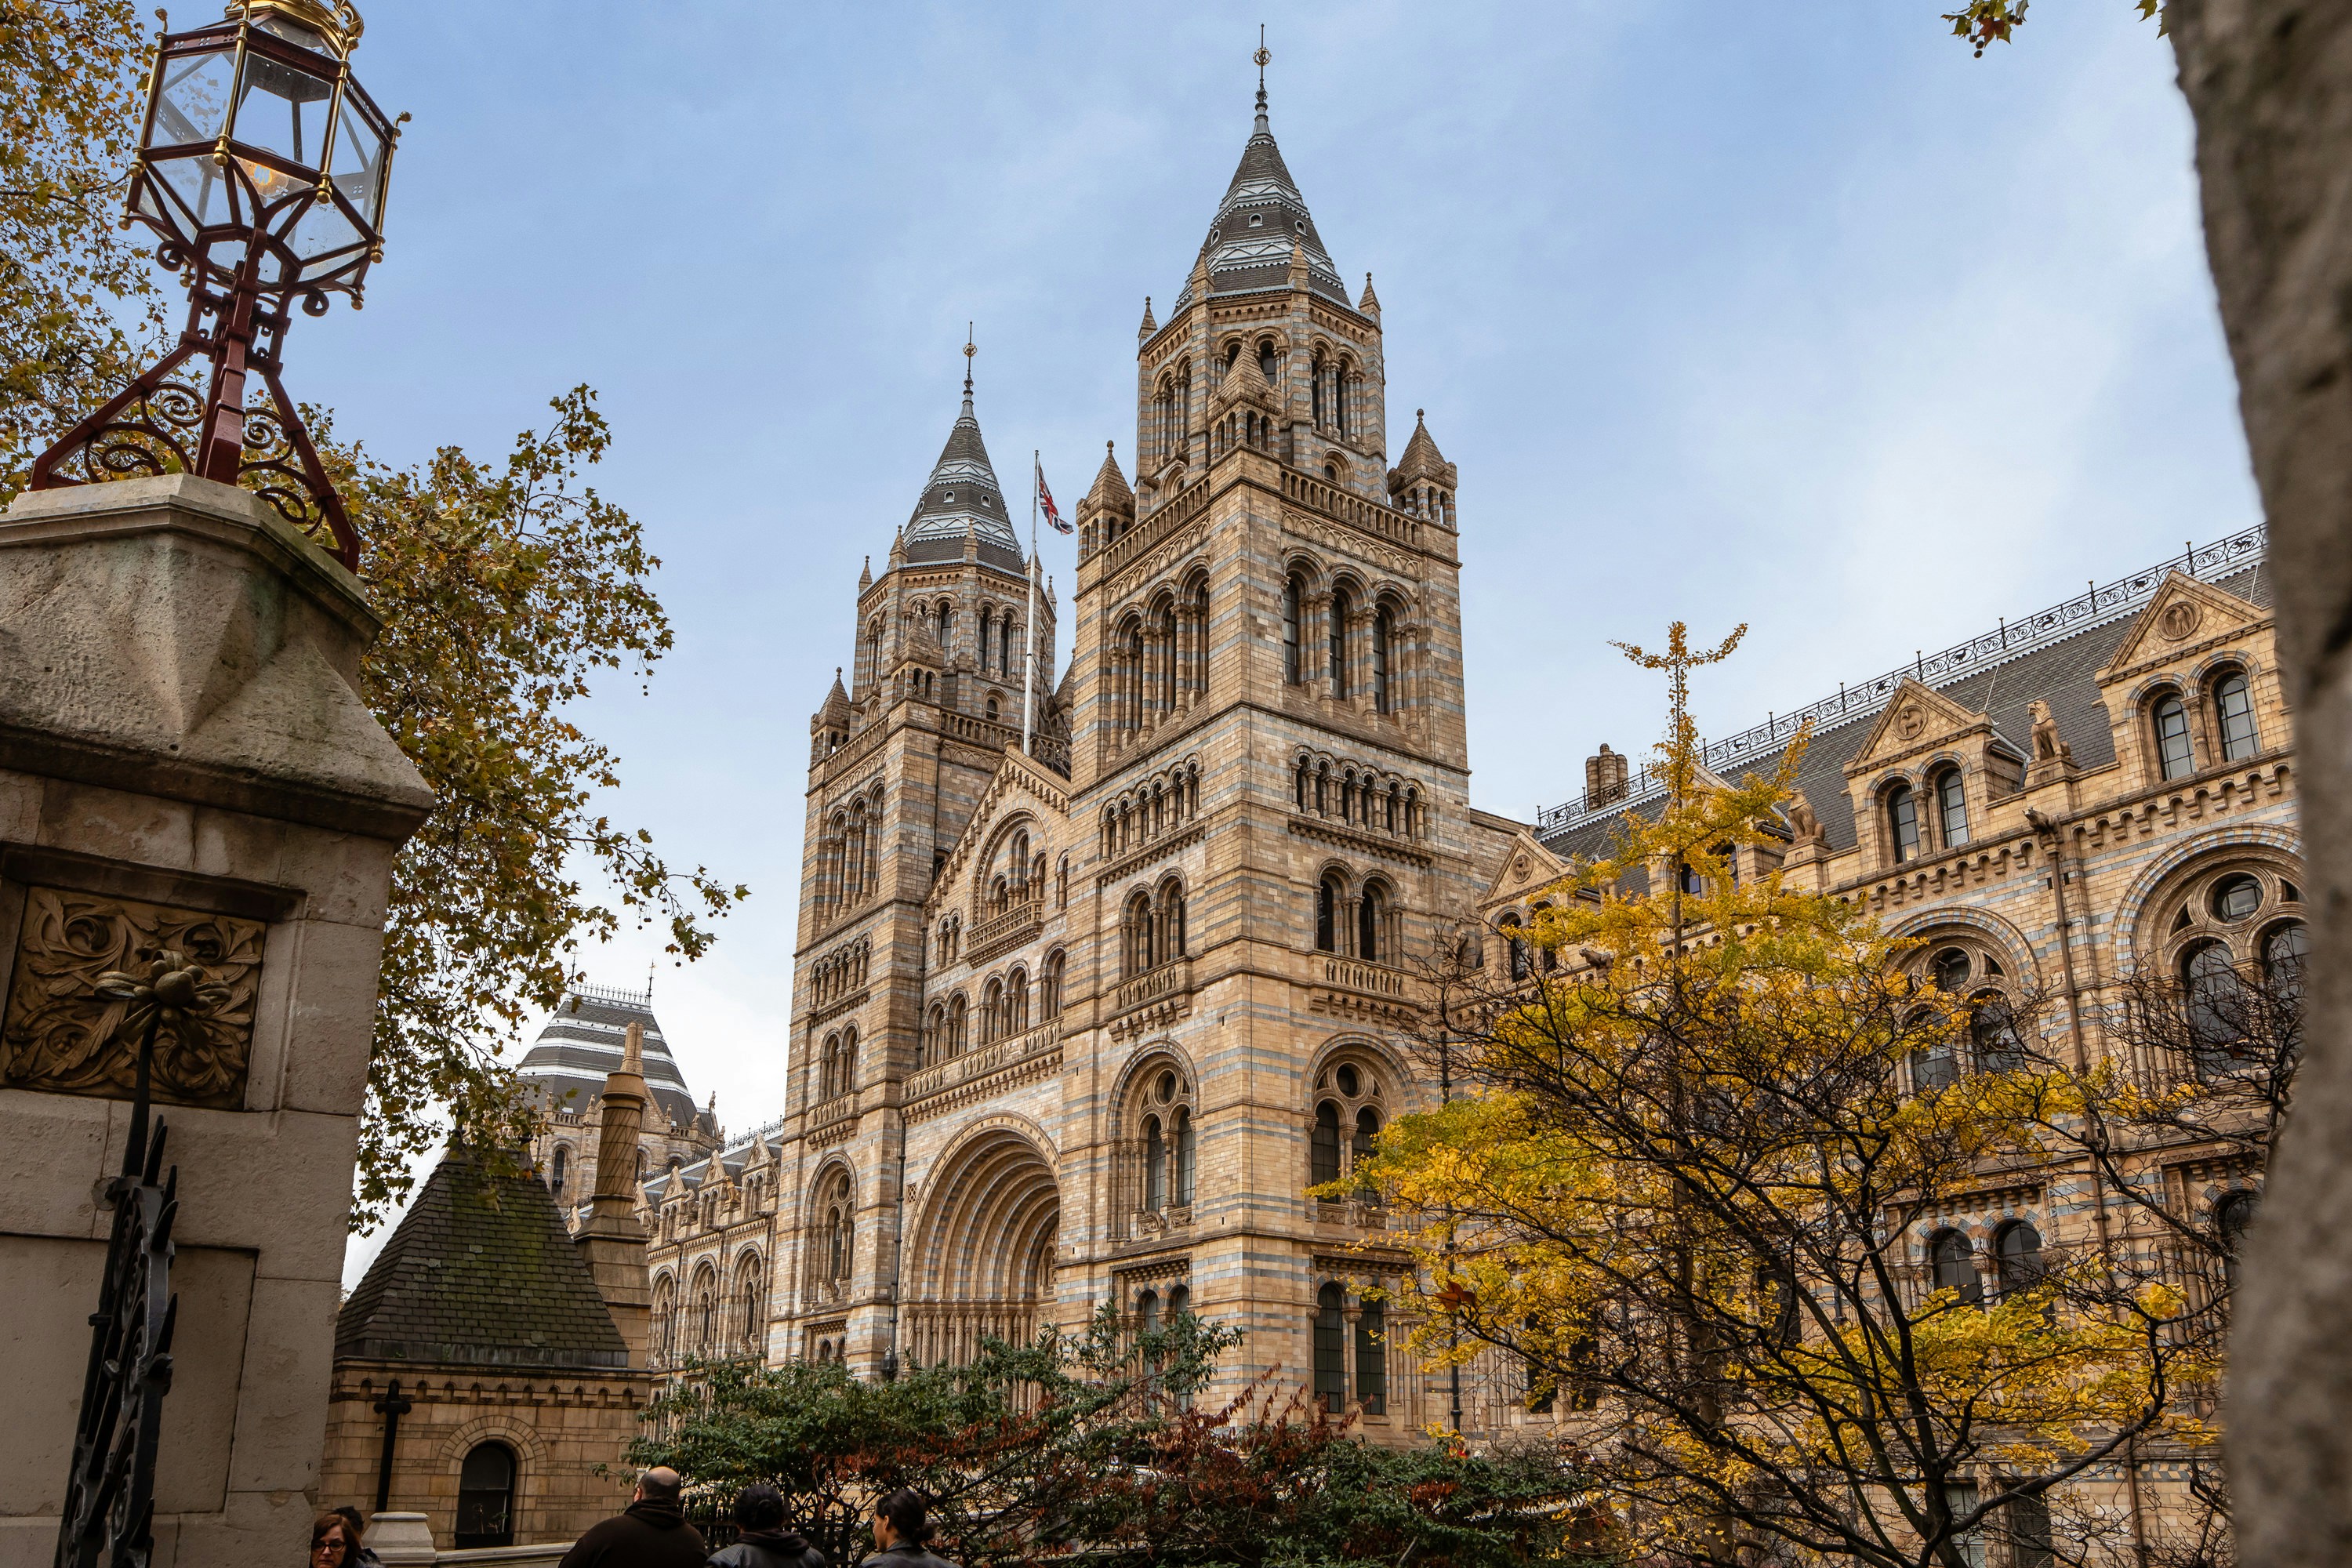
559, 1430
1086, 1025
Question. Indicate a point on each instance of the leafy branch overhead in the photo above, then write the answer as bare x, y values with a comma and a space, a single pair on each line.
507, 588
1987, 22
78, 298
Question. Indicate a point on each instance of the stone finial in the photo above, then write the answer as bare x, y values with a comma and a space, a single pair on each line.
1370, 303
1297, 277
632, 1048
1149, 326
865, 575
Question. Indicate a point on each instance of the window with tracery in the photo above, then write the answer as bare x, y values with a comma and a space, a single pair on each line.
836, 1234
1351, 1109
1164, 1149
2234, 949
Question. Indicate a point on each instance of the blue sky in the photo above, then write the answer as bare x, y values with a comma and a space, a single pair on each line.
1802, 318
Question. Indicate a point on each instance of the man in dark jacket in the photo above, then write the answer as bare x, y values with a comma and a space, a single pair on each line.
765, 1542
650, 1534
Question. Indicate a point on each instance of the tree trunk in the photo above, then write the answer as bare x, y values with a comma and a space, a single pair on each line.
2270, 82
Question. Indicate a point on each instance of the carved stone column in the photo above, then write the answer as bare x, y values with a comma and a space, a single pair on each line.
186, 761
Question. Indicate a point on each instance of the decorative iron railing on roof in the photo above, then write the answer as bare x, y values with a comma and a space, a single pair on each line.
765, 1129
2097, 605
618, 995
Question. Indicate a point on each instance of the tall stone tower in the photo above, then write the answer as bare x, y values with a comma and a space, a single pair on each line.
1087, 1022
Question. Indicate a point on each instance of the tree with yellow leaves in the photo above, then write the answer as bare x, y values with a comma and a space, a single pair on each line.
1690, 1182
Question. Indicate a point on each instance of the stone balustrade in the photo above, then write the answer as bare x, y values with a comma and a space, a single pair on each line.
958, 1070
1006, 930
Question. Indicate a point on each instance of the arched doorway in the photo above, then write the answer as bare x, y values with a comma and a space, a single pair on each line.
983, 1264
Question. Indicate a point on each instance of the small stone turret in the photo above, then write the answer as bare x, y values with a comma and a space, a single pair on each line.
1107, 509
1423, 481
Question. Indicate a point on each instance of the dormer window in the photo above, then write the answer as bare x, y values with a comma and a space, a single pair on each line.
1257, 220
949, 498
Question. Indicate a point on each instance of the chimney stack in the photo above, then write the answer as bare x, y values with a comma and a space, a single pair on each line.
613, 1241
1604, 777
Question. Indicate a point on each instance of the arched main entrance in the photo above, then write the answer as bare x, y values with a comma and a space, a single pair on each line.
983, 1261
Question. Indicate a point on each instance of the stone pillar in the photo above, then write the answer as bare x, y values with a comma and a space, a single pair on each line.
185, 762
612, 1241
2270, 82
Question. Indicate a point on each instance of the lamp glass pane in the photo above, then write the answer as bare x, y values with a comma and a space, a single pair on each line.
283, 111
269, 183
323, 230
359, 162
196, 181
194, 103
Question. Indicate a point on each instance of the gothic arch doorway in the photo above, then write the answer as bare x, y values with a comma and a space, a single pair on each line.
983, 1265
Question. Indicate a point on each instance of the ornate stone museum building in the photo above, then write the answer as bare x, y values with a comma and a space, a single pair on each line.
1087, 1022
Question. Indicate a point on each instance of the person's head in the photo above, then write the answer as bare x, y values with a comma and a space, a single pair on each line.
660, 1484
760, 1508
352, 1521
330, 1541
902, 1519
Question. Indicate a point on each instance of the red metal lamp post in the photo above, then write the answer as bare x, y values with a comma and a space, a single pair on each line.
262, 165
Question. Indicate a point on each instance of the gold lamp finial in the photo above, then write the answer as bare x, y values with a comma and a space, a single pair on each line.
335, 21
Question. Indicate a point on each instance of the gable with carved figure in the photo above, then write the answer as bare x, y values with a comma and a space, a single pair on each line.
2187, 619
1918, 720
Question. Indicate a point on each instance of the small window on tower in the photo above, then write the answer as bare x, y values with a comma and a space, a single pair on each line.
1257, 220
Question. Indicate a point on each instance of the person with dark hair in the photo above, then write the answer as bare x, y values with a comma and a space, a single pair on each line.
764, 1541
362, 1555
651, 1532
902, 1527
332, 1544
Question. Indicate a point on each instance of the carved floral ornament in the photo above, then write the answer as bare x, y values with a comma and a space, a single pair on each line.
89, 973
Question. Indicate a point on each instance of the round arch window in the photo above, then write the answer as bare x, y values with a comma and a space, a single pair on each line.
486, 1489
2236, 897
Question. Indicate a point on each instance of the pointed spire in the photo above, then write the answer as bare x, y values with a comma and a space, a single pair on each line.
1421, 456
1370, 304
866, 577
962, 506
1149, 326
835, 713
1109, 489
1299, 265
1262, 213
1262, 57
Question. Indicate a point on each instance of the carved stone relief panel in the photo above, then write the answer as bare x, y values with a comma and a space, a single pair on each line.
61, 1038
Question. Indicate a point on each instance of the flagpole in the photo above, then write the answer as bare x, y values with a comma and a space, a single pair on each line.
1029, 648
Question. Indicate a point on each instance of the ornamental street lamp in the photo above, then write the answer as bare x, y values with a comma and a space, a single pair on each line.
262, 167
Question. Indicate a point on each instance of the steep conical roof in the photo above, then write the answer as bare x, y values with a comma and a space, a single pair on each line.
835, 711
1421, 453
581, 1043
1250, 239
1109, 489
481, 1272
960, 498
